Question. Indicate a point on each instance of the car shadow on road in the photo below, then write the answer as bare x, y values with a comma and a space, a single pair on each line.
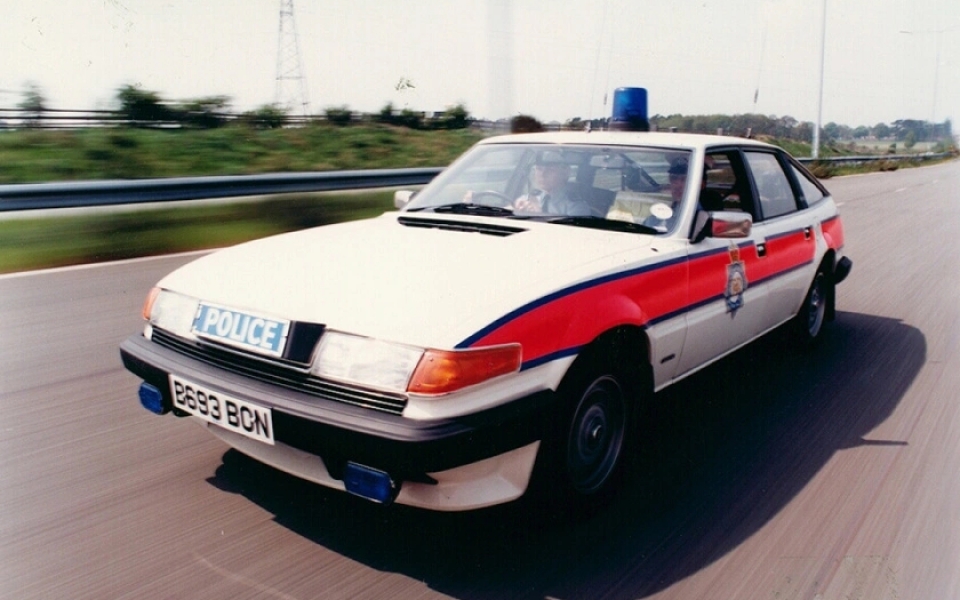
723, 452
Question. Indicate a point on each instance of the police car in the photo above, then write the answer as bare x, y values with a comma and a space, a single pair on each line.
491, 339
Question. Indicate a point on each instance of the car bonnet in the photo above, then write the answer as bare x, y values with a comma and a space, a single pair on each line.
418, 280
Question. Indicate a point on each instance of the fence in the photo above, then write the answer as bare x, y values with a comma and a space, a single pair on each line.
29, 196
51, 118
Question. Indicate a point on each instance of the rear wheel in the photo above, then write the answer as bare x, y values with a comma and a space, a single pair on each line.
812, 315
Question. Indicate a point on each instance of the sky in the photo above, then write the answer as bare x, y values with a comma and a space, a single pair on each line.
882, 60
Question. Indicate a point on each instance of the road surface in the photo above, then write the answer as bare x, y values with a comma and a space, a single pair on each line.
773, 474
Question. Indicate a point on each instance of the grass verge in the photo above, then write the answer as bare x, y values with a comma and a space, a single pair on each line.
44, 242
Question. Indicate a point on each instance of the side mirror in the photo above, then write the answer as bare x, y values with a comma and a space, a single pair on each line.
722, 224
402, 197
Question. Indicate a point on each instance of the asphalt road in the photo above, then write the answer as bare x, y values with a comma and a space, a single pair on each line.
773, 474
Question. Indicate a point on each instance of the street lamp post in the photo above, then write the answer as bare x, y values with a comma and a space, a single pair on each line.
823, 42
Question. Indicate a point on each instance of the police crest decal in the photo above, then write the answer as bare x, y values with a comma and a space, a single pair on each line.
736, 280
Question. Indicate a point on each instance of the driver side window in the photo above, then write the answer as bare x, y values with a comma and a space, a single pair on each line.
722, 182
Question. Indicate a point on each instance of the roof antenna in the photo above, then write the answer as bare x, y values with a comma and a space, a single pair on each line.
763, 46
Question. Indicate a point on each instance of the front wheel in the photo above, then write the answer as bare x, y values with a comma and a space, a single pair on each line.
594, 439
583, 455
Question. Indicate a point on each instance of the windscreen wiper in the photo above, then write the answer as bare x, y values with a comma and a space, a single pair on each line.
483, 210
604, 224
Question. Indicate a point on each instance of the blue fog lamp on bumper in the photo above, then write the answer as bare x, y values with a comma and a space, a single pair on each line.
369, 483
152, 399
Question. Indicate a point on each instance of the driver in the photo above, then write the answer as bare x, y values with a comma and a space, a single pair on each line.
663, 214
553, 194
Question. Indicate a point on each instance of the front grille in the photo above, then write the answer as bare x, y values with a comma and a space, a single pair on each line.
281, 374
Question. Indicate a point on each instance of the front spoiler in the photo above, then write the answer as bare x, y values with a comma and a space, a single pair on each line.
408, 449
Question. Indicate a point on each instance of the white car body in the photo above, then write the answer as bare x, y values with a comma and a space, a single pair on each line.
454, 278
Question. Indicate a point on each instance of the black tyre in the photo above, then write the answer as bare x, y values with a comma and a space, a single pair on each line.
583, 455
813, 312
594, 439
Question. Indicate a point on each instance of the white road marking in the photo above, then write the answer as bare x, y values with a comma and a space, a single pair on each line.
101, 264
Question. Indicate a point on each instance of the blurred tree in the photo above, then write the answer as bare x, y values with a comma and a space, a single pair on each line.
455, 117
386, 113
340, 115
903, 127
409, 118
204, 113
405, 118
804, 131
525, 124
267, 116
881, 131
142, 108
575, 124
33, 105
910, 139
946, 134
831, 131
785, 127
758, 125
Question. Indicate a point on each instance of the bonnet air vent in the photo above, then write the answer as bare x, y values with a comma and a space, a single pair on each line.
464, 226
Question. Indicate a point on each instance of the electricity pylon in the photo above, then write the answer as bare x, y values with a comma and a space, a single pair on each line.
290, 91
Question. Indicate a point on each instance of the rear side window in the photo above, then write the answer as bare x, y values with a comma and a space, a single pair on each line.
773, 186
812, 193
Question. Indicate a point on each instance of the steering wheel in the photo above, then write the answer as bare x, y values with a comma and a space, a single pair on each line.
501, 199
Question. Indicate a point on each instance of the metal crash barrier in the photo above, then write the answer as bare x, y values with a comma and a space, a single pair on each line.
29, 196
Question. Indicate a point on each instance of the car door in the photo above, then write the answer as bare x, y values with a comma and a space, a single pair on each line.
727, 295
785, 233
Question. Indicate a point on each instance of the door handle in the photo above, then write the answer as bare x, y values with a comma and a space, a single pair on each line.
761, 249
807, 232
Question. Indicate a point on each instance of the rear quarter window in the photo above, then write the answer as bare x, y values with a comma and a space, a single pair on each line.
812, 193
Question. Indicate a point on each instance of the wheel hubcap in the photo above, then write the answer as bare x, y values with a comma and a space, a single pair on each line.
815, 307
596, 435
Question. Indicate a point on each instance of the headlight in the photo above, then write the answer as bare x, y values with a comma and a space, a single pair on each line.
365, 361
170, 311
399, 368
149, 302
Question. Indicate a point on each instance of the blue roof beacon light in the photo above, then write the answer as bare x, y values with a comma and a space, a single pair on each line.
629, 110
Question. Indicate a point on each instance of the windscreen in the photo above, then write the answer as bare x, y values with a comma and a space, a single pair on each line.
633, 184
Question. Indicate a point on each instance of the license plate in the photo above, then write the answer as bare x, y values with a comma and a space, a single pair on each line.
241, 330
230, 413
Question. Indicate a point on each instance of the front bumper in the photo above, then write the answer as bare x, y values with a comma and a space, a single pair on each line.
412, 452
